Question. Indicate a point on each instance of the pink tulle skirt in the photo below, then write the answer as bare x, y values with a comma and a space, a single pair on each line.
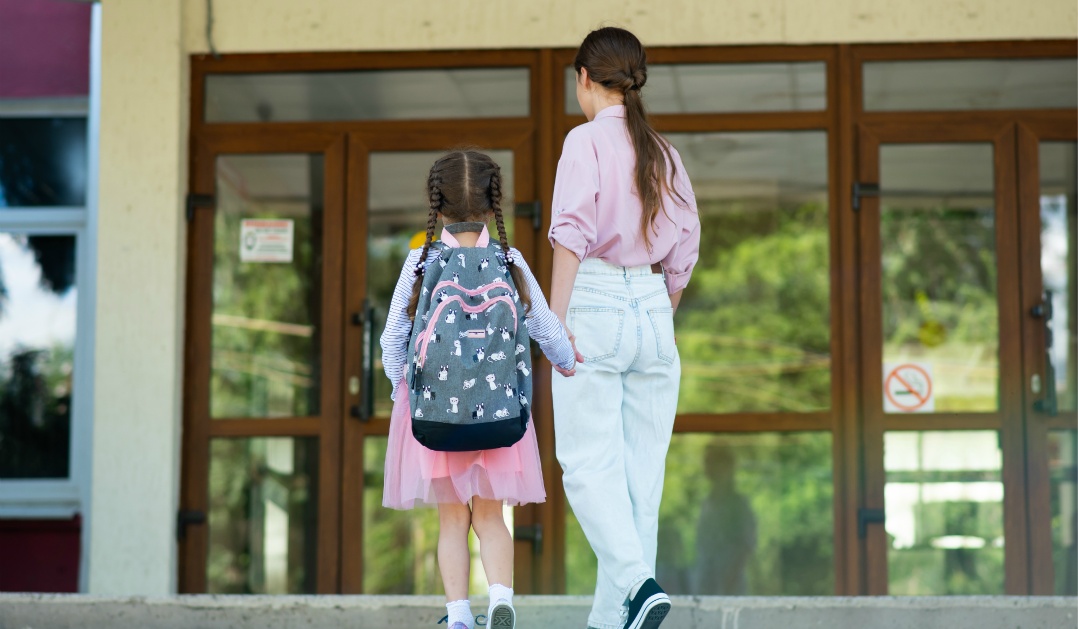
415, 475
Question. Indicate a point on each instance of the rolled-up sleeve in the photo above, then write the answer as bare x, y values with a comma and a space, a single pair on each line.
576, 191
679, 263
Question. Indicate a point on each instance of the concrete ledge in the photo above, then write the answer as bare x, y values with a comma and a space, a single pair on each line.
54, 611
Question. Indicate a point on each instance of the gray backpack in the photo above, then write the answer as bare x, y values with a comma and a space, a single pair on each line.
470, 381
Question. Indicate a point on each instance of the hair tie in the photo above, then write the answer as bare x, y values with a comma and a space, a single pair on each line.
418, 269
509, 258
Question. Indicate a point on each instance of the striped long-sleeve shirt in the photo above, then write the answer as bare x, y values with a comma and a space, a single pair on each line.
543, 324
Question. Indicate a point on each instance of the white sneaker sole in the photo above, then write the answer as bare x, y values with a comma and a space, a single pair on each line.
652, 613
502, 617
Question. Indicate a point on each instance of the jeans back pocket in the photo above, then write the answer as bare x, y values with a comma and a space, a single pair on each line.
662, 322
598, 331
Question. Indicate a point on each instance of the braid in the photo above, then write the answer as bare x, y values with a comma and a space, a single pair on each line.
496, 207
435, 198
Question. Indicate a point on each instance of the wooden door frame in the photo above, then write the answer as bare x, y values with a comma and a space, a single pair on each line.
1037, 424
516, 136
1007, 420
199, 427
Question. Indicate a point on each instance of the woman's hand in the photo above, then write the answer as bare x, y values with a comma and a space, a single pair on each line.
569, 373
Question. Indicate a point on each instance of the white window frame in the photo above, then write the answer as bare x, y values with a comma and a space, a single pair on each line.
64, 498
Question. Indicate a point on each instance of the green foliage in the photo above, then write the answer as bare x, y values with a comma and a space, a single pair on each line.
753, 327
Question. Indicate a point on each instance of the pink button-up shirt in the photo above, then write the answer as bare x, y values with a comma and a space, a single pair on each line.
596, 209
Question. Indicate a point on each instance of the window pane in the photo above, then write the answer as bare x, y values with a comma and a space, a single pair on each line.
398, 211
726, 87
263, 519
42, 162
267, 286
38, 302
938, 248
368, 95
741, 515
754, 323
971, 84
944, 512
1059, 262
1063, 470
400, 548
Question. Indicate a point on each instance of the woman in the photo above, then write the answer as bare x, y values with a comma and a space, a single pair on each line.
626, 236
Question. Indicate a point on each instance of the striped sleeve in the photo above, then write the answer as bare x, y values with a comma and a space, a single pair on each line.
543, 324
398, 326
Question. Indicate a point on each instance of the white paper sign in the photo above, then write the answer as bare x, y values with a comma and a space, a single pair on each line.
907, 388
266, 240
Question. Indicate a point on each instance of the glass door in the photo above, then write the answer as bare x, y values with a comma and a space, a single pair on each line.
386, 551
1048, 159
260, 498
943, 511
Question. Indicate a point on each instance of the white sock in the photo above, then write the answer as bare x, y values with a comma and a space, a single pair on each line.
635, 589
497, 593
461, 611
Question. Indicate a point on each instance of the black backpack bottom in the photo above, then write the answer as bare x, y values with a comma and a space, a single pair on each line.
444, 437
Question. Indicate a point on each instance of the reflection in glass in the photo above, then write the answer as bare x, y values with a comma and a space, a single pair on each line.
741, 514
263, 519
1063, 471
42, 162
266, 314
400, 548
938, 260
368, 95
37, 344
966, 84
754, 323
1059, 262
944, 510
398, 210
726, 87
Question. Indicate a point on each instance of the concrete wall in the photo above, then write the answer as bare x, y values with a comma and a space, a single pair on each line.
139, 322
287, 25
143, 159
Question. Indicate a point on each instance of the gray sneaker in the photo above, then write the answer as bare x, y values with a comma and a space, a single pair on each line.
502, 616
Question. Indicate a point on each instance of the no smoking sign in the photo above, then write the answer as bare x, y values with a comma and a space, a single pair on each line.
907, 388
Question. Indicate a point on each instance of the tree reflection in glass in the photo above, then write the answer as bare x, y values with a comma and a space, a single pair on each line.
37, 338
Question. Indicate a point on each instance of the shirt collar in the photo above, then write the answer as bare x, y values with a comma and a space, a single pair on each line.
613, 111
451, 240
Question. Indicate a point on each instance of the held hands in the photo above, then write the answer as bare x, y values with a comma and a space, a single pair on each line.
569, 373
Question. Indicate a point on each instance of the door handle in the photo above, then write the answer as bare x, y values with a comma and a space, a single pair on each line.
532, 210
365, 409
1049, 405
186, 518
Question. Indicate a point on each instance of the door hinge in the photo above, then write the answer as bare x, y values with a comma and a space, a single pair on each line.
530, 533
863, 190
186, 518
196, 201
532, 210
869, 516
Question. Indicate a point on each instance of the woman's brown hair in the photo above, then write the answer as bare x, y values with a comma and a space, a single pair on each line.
616, 59
466, 185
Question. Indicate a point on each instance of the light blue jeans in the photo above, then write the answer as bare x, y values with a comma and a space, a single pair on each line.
613, 422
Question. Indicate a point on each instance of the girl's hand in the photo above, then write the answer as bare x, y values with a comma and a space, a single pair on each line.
579, 357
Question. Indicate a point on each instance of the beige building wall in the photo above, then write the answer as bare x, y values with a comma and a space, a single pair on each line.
143, 159
288, 25
139, 321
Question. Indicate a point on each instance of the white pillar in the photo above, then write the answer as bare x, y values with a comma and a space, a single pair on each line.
139, 315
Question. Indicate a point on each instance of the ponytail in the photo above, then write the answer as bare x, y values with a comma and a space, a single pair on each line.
616, 59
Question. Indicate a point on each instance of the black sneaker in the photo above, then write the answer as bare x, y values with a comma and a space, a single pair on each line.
649, 607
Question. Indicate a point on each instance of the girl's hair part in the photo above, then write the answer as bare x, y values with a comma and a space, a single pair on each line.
616, 59
466, 185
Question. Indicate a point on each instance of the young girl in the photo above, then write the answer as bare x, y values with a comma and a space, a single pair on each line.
469, 487
625, 234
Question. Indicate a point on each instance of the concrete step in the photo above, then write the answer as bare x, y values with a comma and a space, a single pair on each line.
56, 611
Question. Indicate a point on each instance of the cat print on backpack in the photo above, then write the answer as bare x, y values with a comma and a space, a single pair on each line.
468, 309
